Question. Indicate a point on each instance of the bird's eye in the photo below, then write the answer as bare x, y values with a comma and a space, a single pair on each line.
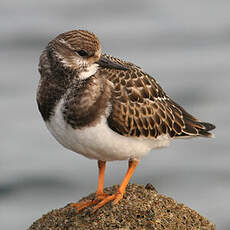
82, 53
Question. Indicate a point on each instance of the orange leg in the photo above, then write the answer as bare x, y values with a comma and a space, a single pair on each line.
121, 190
100, 195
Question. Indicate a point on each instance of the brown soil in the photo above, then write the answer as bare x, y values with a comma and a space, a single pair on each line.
141, 208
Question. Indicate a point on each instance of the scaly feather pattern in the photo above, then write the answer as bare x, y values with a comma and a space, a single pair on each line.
140, 107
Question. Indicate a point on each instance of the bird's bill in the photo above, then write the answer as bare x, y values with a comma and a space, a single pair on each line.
106, 63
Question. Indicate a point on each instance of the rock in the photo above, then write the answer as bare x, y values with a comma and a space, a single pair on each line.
141, 208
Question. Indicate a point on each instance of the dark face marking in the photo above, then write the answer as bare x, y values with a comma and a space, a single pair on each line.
82, 53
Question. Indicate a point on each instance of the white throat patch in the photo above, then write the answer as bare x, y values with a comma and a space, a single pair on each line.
91, 70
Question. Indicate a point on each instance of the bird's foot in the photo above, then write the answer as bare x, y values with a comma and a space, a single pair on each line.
85, 204
81, 205
115, 198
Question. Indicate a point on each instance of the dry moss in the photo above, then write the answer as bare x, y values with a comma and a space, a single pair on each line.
141, 208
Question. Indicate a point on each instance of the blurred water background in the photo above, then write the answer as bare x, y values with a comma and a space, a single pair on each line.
184, 44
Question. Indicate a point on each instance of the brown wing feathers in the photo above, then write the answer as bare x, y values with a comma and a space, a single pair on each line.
141, 108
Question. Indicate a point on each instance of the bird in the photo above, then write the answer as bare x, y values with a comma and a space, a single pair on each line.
106, 109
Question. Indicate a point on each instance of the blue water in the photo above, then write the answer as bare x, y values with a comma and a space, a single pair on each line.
185, 45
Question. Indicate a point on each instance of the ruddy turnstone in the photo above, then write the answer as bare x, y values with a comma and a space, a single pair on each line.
105, 108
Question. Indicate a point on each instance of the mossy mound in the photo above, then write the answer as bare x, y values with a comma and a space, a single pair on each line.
141, 208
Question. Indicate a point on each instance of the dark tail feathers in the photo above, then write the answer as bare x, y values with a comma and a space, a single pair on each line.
207, 127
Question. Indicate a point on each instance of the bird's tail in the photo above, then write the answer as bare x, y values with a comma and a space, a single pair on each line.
194, 127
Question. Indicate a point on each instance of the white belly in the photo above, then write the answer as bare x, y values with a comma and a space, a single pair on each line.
100, 142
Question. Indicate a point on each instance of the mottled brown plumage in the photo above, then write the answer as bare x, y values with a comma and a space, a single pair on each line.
140, 107
106, 108
86, 99
87, 102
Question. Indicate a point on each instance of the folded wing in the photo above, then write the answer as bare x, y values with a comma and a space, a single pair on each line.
140, 107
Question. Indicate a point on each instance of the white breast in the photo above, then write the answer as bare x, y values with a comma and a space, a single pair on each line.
100, 142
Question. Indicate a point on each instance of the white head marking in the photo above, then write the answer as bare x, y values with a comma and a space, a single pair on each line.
91, 70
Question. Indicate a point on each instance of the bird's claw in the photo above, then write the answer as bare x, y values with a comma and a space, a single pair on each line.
115, 198
99, 201
85, 204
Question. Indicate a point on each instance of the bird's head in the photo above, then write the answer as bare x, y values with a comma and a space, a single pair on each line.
79, 51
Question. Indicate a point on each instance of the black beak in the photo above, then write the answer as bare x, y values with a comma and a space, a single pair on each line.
106, 63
